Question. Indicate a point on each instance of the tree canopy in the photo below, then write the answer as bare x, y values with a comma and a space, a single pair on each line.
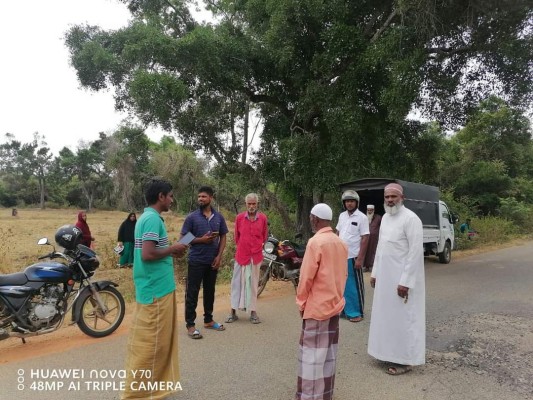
333, 81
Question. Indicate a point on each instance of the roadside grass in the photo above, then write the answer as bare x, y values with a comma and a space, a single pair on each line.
19, 236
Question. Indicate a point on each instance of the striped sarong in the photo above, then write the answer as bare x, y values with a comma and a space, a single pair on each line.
152, 350
317, 359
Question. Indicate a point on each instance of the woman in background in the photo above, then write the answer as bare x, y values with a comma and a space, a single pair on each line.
126, 239
87, 238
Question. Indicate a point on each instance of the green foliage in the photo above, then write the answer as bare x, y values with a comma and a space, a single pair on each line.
493, 229
26, 167
497, 132
7, 198
333, 93
519, 213
182, 169
128, 155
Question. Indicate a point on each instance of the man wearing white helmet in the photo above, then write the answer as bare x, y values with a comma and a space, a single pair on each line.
320, 300
353, 229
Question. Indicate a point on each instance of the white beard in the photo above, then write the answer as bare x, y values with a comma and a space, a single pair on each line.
394, 209
370, 217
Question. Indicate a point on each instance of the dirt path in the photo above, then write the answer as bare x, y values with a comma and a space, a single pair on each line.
69, 337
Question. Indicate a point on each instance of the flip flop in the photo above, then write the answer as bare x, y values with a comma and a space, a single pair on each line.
195, 334
215, 326
231, 318
398, 369
355, 319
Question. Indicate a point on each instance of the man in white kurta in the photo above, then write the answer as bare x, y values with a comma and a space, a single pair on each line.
398, 323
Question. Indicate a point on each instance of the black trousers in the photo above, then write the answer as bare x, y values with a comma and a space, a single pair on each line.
205, 275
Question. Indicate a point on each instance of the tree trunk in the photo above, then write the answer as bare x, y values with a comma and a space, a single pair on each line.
41, 188
245, 132
303, 224
275, 203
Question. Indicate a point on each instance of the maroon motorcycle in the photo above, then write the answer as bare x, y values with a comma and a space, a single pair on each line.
281, 261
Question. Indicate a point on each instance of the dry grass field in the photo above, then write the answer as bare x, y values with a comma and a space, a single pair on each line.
19, 236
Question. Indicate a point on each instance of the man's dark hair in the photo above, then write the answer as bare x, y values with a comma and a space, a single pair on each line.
206, 189
153, 187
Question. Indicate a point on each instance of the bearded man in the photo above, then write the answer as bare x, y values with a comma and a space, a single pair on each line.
251, 233
398, 323
374, 222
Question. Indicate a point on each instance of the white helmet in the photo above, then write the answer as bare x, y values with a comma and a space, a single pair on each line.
350, 195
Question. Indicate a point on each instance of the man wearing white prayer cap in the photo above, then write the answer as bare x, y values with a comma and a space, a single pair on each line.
320, 300
322, 211
398, 324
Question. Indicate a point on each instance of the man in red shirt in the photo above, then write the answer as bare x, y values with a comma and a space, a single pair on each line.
251, 232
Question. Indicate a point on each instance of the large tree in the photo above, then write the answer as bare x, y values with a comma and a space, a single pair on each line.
22, 162
87, 166
127, 155
333, 80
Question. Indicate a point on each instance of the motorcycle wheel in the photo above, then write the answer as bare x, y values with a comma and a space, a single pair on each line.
264, 274
93, 321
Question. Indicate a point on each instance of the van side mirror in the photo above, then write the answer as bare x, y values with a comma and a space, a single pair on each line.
454, 218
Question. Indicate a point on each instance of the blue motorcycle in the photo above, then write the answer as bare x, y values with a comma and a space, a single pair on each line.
36, 301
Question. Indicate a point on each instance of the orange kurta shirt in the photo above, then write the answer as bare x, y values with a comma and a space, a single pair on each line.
323, 274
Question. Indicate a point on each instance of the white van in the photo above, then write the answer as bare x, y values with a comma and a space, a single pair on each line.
437, 219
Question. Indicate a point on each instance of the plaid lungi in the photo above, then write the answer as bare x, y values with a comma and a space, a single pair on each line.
317, 359
152, 350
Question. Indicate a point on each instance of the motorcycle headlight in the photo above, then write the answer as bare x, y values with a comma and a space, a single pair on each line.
269, 247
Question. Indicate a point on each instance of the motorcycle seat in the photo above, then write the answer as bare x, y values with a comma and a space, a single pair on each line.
16, 279
300, 250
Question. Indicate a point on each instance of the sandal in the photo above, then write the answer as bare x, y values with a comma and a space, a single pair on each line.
255, 320
231, 318
355, 319
215, 326
398, 369
194, 334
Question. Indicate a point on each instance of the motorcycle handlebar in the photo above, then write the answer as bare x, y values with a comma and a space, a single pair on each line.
45, 256
51, 256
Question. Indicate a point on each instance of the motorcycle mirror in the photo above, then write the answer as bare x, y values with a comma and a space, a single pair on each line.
43, 241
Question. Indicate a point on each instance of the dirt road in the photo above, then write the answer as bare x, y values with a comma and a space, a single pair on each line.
479, 331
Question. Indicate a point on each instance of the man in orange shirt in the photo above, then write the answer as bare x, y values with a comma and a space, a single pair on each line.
320, 298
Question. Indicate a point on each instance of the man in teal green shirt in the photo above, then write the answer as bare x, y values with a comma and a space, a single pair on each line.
153, 340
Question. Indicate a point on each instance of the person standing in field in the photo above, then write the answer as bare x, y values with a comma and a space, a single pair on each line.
81, 223
251, 232
153, 340
398, 323
126, 239
320, 300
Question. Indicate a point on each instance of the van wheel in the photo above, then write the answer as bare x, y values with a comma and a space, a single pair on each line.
446, 256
